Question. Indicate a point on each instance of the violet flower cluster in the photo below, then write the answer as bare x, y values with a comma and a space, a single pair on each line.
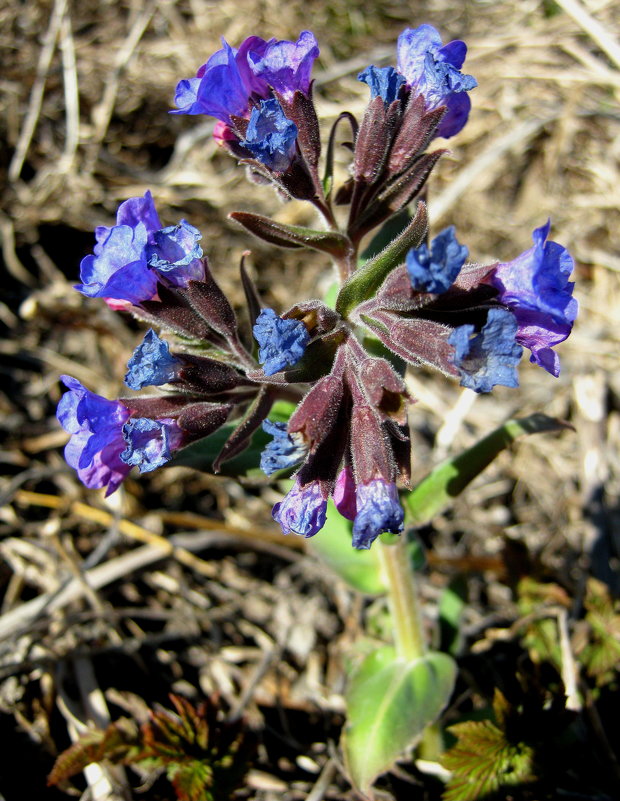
414, 303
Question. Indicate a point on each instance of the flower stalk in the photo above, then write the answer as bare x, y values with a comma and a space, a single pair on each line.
403, 599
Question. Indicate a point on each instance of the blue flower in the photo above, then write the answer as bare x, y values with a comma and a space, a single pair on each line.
150, 443
535, 286
284, 451
378, 510
281, 342
222, 86
96, 442
152, 364
436, 271
491, 356
270, 136
286, 66
119, 269
302, 510
433, 70
384, 82
175, 252
131, 257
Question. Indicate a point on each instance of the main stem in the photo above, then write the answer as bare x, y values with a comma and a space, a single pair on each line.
403, 600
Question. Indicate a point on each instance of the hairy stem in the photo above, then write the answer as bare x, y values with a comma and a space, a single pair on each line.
403, 600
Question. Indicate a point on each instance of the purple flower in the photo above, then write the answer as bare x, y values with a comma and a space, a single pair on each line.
491, 356
176, 254
224, 85
284, 451
384, 82
150, 443
378, 510
302, 510
436, 271
344, 493
231, 78
281, 342
286, 66
133, 255
96, 442
119, 269
433, 70
270, 136
152, 364
535, 286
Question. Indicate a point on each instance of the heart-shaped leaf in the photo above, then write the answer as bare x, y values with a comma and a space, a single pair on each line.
390, 701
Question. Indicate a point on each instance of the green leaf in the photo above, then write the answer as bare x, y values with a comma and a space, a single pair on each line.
292, 236
200, 455
388, 232
360, 569
365, 281
437, 491
390, 701
452, 605
601, 655
484, 760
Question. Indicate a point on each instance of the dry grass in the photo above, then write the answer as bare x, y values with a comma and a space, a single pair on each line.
84, 94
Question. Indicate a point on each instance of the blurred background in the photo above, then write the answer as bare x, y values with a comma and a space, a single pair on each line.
85, 90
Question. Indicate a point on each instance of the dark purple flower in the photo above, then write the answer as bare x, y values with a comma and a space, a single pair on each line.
176, 254
344, 493
284, 451
384, 82
119, 269
433, 70
96, 442
152, 364
491, 356
535, 286
270, 136
281, 342
150, 443
286, 66
436, 271
378, 510
302, 510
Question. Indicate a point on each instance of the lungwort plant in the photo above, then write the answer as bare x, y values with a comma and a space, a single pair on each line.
317, 392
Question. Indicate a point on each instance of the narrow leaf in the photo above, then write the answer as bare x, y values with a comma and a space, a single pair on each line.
437, 491
367, 279
292, 236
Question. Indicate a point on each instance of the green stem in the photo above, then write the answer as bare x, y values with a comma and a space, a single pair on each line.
403, 600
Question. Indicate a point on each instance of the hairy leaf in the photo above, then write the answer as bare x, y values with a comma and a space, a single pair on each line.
390, 701
292, 236
367, 279
437, 491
